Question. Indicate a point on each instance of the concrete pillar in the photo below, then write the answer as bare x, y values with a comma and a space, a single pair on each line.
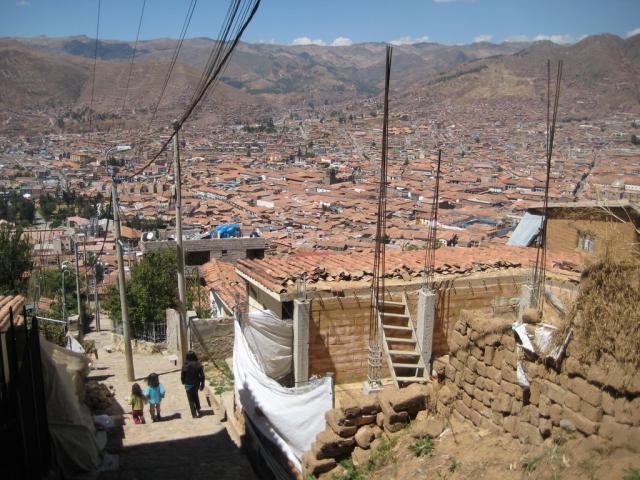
425, 321
301, 316
526, 297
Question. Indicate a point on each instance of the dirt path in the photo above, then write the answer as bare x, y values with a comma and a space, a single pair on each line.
177, 447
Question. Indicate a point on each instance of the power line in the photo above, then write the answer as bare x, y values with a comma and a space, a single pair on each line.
176, 52
133, 56
219, 58
95, 62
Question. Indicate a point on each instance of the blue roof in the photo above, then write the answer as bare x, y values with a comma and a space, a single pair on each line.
526, 230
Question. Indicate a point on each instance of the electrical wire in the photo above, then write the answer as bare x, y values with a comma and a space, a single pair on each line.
174, 58
219, 58
95, 62
133, 56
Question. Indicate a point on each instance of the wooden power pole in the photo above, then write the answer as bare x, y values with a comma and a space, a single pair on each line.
78, 299
128, 355
182, 294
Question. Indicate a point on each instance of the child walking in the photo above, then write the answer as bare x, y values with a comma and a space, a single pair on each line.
137, 402
154, 393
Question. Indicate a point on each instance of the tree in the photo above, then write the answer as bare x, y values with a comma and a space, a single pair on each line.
17, 209
15, 260
151, 289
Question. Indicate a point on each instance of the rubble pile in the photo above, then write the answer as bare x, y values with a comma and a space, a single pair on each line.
357, 423
98, 396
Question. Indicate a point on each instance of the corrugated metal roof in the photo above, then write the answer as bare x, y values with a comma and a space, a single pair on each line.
526, 230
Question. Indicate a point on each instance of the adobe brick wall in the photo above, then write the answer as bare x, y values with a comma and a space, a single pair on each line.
339, 338
593, 399
339, 327
563, 235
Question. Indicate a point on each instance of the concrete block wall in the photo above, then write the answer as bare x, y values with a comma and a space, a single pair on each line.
480, 374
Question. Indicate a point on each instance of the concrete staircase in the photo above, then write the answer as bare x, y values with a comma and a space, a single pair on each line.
399, 340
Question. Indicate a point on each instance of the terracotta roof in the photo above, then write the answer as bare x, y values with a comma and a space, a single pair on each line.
222, 277
14, 302
328, 271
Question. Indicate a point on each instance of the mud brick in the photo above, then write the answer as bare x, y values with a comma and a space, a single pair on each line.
488, 354
572, 401
589, 393
590, 412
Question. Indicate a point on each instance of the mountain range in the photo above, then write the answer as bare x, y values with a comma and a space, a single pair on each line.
44, 76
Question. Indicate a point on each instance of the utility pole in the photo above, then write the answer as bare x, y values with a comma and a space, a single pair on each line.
122, 286
182, 294
80, 316
86, 282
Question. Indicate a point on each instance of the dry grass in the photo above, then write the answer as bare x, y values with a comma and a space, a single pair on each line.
606, 314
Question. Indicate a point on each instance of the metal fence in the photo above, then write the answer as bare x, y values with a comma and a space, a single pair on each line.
148, 332
24, 431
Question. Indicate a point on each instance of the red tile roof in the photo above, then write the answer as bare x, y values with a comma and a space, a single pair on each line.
327, 270
222, 277
10, 302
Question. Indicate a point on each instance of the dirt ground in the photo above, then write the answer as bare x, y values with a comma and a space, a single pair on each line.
465, 452
177, 447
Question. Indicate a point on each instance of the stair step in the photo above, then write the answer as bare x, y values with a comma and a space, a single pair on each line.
400, 340
392, 304
407, 365
411, 379
408, 353
396, 327
394, 315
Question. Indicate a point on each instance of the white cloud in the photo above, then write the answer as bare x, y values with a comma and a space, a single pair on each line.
482, 38
341, 42
409, 40
268, 41
558, 38
633, 32
307, 41
23, 3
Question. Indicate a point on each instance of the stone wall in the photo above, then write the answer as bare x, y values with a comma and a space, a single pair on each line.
353, 428
480, 377
217, 337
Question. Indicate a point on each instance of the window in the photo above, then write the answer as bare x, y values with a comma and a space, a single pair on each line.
586, 241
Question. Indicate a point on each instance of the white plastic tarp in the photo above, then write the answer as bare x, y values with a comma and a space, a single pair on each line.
70, 423
271, 340
289, 417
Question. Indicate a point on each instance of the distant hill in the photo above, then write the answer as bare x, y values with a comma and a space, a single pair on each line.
55, 74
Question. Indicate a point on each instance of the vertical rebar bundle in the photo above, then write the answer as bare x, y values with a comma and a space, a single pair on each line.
432, 232
540, 267
377, 286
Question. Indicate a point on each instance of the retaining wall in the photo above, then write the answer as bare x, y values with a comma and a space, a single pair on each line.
480, 375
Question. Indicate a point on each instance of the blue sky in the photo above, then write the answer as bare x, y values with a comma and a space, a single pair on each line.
338, 22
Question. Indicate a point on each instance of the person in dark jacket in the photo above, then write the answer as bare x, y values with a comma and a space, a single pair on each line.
192, 378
